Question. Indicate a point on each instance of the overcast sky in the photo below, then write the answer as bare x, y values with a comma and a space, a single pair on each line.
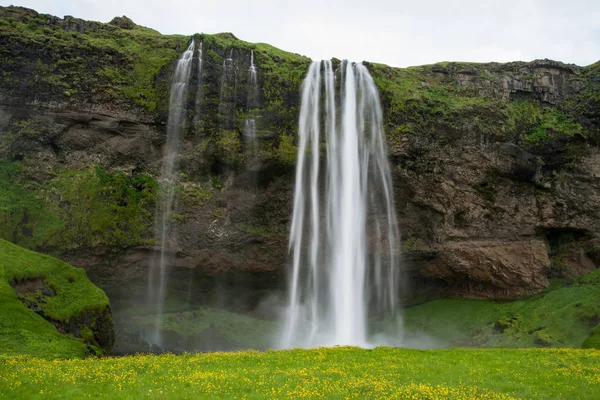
394, 32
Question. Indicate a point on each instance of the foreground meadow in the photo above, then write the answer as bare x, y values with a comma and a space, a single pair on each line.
320, 373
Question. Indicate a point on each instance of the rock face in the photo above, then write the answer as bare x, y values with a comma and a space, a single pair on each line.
491, 269
496, 167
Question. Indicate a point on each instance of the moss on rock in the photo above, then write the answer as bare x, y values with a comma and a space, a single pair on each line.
75, 208
593, 340
49, 308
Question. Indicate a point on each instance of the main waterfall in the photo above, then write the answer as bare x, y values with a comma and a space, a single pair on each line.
344, 235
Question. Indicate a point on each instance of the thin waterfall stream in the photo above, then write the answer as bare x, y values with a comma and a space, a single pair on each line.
169, 180
252, 100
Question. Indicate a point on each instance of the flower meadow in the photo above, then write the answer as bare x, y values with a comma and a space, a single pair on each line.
341, 372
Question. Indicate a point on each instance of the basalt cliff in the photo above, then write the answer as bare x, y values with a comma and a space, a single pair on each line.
496, 167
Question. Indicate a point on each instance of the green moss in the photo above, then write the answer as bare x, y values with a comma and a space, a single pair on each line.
194, 195
537, 124
593, 340
419, 101
24, 332
282, 73
75, 208
585, 103
126, 63
286, 152
256, 230
411, 244
593, 278
242, 330
228, 147
559, 318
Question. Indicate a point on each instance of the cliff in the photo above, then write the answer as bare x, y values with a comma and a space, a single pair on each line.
496, 166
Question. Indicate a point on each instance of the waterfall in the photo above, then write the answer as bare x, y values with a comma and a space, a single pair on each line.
252, 101
227, 95
199, 91
177, 113
344, 235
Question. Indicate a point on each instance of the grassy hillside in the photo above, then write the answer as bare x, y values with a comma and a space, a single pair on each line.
319, 373
561, 317
58, 293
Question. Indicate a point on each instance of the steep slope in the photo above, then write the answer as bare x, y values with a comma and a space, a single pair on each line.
562, 316
50, 309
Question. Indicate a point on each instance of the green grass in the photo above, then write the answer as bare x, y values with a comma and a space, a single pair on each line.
75, 208
237, 330
562, 317
24, 332
593, 340
319, 373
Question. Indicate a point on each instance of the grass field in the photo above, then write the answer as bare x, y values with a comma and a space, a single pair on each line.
319, 373
562, 316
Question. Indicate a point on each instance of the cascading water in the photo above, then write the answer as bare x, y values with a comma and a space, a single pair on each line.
177, 113
199, 91
227, 97
252, 102
344, 233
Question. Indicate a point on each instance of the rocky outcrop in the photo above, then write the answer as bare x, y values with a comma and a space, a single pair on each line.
94, 327
73, 138
58, 293
491, 269
545, 80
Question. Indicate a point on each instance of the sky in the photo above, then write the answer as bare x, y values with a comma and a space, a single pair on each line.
394, 32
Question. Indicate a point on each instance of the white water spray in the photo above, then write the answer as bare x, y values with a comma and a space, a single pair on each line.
344, 235
227, 97
199, 91
169, 180
252, 101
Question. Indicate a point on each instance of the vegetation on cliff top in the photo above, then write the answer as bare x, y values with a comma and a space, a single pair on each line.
119, 63
83, 62
433, 100
57, 292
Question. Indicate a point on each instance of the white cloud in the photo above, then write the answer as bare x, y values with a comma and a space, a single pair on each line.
393, 32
